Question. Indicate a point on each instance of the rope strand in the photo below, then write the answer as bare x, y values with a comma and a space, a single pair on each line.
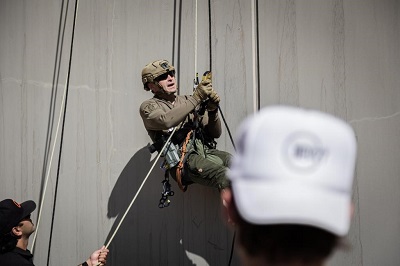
254, 51
209, 33
195, 39
47, 165
62, 131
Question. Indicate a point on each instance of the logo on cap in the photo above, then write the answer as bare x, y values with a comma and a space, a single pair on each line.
304, 151
16, 204
164, 65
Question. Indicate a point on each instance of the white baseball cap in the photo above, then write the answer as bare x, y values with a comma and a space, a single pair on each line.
294, 166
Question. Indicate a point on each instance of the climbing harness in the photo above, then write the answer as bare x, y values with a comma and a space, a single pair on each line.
171, 157
198, 113
179, 168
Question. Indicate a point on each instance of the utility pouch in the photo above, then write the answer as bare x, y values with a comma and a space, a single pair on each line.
171, 156
170, 153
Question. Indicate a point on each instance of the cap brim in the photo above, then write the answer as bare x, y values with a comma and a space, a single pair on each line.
28, 206
274, 202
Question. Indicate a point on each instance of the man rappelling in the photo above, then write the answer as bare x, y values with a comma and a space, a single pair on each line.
192, 156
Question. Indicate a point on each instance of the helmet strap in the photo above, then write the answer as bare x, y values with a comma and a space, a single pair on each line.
162, 91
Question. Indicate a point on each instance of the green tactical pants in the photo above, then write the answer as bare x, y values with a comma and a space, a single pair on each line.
207, 166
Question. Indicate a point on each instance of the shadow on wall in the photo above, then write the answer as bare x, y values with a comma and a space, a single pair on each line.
189, 231
141, 239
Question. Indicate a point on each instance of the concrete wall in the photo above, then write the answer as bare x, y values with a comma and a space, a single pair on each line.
339, 56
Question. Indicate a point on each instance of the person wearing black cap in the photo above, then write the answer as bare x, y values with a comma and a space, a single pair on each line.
15, 229
16, 226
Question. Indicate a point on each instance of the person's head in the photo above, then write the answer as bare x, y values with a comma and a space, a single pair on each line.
15, 222
159, 77
291, 181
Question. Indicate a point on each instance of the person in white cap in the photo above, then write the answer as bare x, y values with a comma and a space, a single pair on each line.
291, 186
15, 229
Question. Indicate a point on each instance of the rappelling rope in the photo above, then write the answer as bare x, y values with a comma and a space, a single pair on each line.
140, 188
48, 174
209, 33
62, 129
55, 82
195, 39
254, 53
256, 82
222, 115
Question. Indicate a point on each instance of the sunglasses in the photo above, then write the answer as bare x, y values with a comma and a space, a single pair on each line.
165, 76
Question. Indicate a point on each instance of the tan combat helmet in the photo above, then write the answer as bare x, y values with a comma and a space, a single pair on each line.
155, 69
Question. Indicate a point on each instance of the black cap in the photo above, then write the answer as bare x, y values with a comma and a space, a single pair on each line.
11, 213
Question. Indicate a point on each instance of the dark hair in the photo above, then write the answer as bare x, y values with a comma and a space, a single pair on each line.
285, 243
8, 242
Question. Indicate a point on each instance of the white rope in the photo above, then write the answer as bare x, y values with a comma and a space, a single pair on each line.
140, 188
253, 53
48, 171
51, 157
195, 40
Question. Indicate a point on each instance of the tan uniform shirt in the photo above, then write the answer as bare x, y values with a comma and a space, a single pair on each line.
160, 115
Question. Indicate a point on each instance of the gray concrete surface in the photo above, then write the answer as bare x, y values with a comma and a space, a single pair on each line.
339, 56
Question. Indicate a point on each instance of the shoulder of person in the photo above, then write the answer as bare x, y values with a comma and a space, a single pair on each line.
149, 105
13, 258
